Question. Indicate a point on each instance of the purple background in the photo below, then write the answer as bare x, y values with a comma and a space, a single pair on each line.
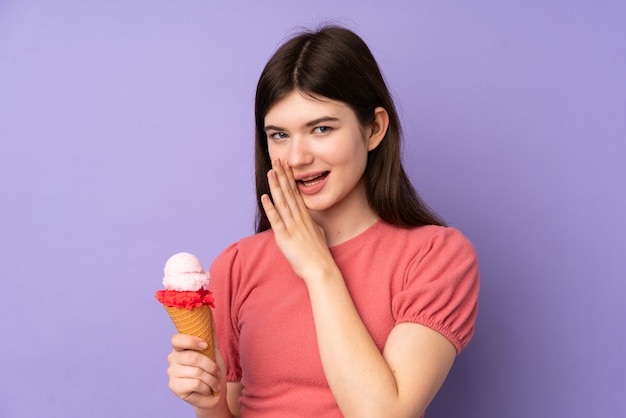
126, 135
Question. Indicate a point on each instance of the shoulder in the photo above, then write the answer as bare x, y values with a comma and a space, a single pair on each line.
447, 249
424, 239
255, 241
449, 238
254, 247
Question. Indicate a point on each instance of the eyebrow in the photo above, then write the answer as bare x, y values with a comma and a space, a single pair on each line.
308, 124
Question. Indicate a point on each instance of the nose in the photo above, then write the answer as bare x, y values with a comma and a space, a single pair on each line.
299, 153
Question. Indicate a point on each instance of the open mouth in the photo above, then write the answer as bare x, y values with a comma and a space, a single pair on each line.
313, 180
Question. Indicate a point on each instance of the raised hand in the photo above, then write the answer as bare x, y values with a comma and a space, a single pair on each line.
300, 239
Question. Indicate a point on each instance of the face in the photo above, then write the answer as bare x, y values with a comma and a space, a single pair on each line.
326, 146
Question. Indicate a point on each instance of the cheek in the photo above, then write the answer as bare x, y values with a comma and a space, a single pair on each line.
359, 158
273, 151
354, 151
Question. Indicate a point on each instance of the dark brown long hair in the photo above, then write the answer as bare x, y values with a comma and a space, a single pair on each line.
335, 63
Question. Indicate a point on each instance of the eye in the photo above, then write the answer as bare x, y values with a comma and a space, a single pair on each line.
276, 136
322, 129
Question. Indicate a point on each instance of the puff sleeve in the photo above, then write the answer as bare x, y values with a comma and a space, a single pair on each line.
440, 287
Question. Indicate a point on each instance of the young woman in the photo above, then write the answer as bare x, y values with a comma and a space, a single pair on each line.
353, 298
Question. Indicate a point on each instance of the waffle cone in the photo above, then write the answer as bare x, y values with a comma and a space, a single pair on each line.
196, 322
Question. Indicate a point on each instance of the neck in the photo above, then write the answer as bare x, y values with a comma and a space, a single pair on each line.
345, 221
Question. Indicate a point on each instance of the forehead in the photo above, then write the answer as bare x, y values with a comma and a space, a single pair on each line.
298, 107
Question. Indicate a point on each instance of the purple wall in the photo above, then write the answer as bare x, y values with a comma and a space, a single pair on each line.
125, 136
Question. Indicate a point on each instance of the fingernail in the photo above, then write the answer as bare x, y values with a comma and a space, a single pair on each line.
203, 345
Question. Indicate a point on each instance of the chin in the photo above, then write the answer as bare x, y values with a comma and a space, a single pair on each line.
315, 206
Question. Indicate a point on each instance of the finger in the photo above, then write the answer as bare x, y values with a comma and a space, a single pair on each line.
182, 342
200, 400
182, 371
297, 196
289, 202
189, 388
287, 183
272, 214
192, 358
291, 181
192, 365
281, 203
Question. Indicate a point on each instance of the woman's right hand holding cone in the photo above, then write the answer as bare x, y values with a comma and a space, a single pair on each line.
197, 379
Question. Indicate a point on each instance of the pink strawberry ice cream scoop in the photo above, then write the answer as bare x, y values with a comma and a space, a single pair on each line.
185, 282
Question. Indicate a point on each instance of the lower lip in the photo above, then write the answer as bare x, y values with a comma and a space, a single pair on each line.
308, 190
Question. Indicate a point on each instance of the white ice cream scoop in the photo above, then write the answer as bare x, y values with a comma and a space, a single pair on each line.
184, 272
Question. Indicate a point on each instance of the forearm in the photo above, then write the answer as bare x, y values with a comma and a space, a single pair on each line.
361, 380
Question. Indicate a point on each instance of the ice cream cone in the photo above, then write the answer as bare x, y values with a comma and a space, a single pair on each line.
196, 322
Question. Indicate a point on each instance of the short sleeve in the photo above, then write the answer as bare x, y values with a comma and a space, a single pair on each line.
225, 272
441, 287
